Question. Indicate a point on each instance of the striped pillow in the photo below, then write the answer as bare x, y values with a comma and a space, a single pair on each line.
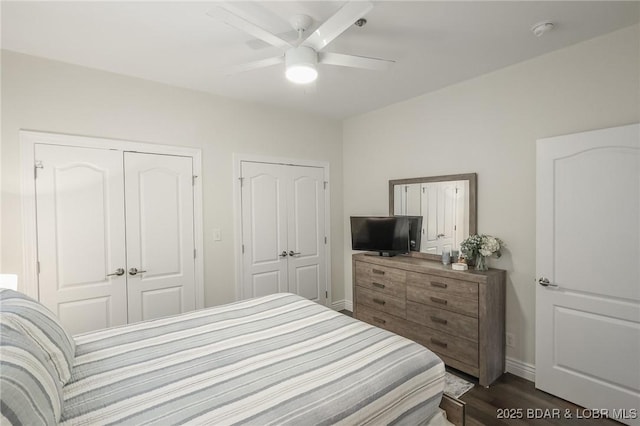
36, 321
31, 392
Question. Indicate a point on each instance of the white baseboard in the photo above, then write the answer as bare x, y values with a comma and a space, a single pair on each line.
340, 305
521, 369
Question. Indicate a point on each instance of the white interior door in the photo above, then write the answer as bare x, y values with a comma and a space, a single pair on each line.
264, 229
306, 234
81, 236
440, 216
160, 239
283, 233
587, 261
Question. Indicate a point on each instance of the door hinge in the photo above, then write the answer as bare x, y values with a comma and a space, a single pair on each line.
326, 294
193, 180
325, 240
38, 266
241, 181
406, 189
455, 227
423, 189
456, 190
36, 166
195, 252
325, 184
243, 248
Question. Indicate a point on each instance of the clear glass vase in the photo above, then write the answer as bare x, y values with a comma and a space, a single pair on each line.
481, 263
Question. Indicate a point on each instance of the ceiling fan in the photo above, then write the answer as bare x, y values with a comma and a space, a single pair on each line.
302, 56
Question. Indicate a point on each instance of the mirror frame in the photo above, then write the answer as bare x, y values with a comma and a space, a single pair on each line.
473, 201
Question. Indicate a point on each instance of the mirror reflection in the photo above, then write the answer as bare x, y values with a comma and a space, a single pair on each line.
447, 205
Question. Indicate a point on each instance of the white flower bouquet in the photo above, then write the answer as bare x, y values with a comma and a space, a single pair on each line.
479, 247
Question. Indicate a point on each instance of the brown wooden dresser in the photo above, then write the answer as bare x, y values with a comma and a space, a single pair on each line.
459, 315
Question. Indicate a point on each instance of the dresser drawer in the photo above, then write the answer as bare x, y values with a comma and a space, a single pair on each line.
457, 348
380, 319
380, 278
443, 300
381, 302
442, 320
444, 285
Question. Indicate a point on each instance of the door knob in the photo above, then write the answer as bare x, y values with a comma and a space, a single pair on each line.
134, 271
546, 283
283, 254
439, 235
291, 253
118, 272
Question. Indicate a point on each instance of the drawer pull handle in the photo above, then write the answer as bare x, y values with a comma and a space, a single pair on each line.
438, 300
378, 285
437, 284
379, 302
378, 271
439, 343
439, 320
380, 320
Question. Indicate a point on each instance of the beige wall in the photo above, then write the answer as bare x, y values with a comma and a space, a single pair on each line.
489, 125
39, 94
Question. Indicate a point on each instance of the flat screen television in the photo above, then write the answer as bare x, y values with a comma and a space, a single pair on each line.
387, 235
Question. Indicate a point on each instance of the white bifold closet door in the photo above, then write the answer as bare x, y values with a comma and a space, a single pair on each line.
159, 218
283, 230
102, 215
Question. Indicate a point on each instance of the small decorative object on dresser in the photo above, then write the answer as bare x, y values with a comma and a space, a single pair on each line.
459, 315
479, 247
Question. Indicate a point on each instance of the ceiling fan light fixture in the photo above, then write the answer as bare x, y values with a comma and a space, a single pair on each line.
301, 65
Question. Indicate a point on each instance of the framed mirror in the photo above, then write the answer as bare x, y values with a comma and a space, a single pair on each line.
447, 205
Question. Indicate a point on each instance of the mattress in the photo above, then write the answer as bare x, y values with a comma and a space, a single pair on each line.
279, 359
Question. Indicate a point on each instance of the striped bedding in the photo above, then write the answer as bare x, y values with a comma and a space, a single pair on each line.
279, 359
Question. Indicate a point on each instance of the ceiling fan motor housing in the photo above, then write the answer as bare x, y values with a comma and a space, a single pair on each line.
301, 64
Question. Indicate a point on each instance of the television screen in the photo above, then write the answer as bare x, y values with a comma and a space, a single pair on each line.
388, 235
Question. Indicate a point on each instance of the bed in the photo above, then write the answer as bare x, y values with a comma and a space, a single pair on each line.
279, 359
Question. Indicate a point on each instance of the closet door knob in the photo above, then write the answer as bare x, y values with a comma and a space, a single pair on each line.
134, 271
291, 253
118, 272
283, 254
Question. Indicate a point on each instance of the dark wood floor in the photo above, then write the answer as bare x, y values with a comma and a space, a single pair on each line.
523, 400
512, 396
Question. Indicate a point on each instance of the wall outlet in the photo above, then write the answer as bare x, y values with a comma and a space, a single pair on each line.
511, 340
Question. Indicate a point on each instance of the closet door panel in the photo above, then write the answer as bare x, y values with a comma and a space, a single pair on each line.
264, 229
160, 239
81, 235
307, 268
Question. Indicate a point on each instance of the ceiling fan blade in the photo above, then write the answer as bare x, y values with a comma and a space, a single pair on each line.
263, 63
354, 61
223, 13
257, 44
338, 23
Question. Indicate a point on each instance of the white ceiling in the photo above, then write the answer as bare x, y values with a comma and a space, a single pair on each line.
435, 44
